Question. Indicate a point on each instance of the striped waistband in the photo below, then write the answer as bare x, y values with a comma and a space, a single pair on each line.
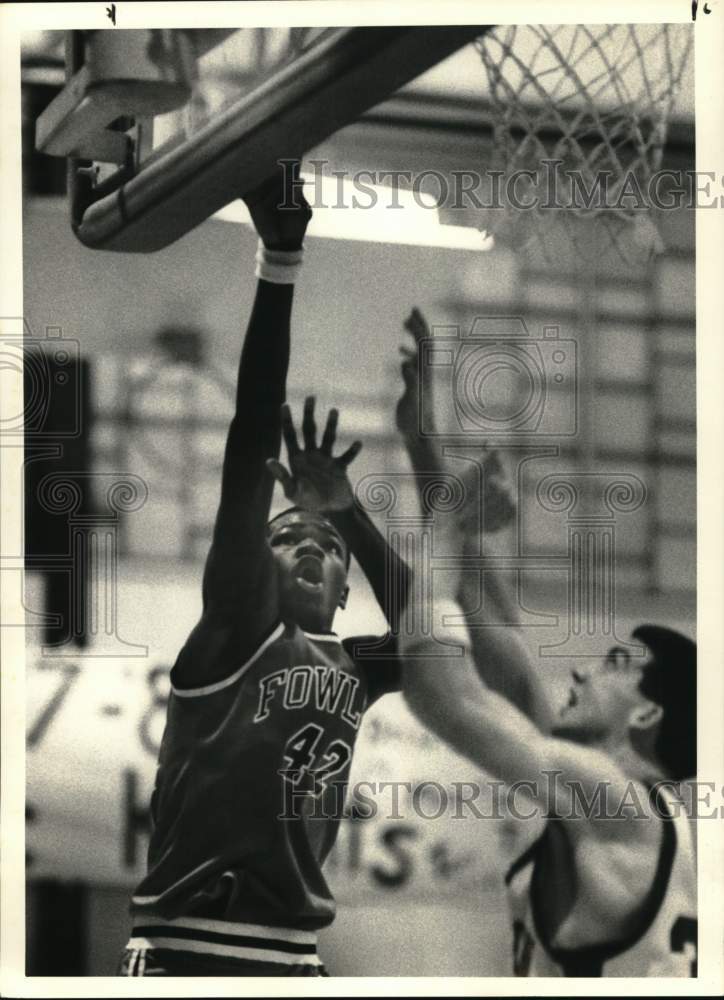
252, 942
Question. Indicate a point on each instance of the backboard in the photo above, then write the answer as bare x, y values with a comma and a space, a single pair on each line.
203, 115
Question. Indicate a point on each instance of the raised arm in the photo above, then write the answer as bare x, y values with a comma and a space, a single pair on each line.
318, 481
239, 584
481, 518
447, 695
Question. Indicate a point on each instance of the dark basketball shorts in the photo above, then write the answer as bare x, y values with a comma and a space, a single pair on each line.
157, 962
197, 946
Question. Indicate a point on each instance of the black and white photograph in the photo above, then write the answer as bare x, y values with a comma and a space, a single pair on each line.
362, 497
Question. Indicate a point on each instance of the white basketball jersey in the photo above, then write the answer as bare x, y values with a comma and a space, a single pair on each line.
665, 944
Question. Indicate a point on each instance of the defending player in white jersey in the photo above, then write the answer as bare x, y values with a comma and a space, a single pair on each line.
609, 887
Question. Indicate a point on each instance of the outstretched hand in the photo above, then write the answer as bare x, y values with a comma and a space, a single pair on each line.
498, 506
315, 480
495, 509
407, 415
279, 210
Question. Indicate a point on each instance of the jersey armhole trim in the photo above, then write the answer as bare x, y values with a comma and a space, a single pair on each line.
592, 957
323, 637
233, 678
525, 858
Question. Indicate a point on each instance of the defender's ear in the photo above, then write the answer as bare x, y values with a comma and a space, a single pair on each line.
645, 716
343, 597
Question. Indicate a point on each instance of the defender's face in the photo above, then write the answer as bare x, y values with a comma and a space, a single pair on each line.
311, 562
601, 696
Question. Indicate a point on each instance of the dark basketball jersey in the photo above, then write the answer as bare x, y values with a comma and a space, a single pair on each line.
248, 798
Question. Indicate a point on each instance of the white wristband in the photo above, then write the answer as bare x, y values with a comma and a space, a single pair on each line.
280, 267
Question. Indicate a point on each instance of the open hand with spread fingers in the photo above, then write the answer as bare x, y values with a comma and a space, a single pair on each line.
315, 480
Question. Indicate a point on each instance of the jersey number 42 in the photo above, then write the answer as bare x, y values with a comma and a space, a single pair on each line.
309, 766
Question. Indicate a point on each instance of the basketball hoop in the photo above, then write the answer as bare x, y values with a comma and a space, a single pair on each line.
580, 116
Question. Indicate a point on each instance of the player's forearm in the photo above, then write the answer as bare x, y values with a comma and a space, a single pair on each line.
497, 592
482, 725
387, 574
445, 694
255, 431
500, 654
425, 457
261, 383
254, 435
500, 598
513, 676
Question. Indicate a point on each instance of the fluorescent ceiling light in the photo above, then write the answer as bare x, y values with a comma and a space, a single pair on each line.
344, 212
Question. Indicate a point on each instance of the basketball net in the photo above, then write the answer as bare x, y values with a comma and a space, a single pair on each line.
580, 107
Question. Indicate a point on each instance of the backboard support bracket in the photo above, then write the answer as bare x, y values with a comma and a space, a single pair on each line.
327, 87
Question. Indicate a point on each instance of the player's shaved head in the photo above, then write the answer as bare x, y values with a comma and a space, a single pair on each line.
300, 514
281, 515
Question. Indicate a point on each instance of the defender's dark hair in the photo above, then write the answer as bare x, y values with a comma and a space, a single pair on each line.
670, 681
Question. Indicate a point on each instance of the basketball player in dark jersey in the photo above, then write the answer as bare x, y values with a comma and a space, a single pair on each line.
608, 886
266, 701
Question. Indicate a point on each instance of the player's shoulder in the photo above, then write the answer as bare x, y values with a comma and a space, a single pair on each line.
219, 650
372, 649
623, 856
378, 659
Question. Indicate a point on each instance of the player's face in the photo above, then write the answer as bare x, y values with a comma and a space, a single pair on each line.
311, 561
601, 697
